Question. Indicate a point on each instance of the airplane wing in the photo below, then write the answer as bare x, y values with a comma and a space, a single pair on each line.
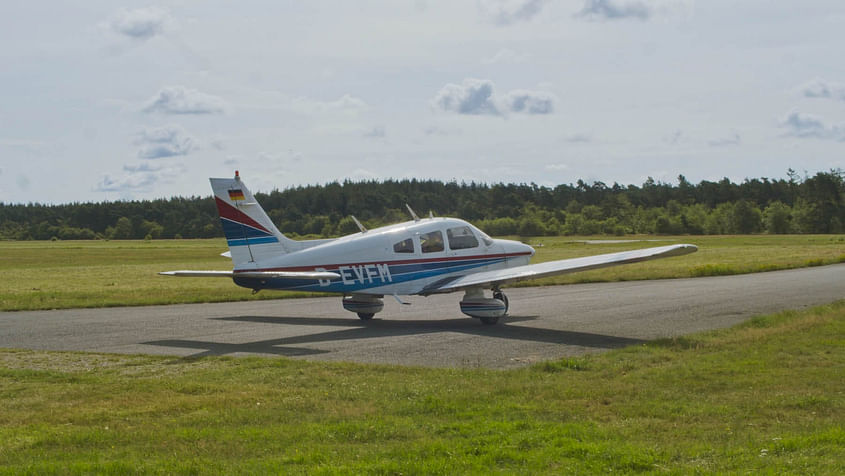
315, 275
550, 268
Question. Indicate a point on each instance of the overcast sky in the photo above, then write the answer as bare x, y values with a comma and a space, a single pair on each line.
100, 101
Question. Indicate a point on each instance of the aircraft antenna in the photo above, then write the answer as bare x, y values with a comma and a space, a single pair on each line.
430, 214
413, 215
360, 226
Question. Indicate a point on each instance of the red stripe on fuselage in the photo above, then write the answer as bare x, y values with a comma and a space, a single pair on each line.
391, 263
231, 213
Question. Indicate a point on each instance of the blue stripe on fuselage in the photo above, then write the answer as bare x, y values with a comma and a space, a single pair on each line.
399, 273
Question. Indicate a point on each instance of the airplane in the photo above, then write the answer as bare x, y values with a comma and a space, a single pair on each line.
419, 257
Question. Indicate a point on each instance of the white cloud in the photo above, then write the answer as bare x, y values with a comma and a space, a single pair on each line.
530, 102
139, 182
140, 24
601, 10
732, 139
557, 167
809, 126
139, 178
473, 96
182, 100
507, 12
142, 167
478, 97
820, 88
166, 141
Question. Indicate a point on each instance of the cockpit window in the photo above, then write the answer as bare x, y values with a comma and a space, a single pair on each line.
404, 246
431, 242
461, 238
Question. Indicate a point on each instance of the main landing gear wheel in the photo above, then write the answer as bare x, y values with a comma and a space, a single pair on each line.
489, 320
501, 297
366, 316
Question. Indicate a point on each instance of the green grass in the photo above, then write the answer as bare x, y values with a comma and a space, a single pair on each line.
764, 397
57, 274
53, 275
716, 255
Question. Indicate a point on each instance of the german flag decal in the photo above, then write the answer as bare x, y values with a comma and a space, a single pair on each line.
236, 195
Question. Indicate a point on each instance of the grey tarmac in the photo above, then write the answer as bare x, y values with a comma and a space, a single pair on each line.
545, 322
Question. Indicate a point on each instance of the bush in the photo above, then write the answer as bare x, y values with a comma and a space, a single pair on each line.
777, 218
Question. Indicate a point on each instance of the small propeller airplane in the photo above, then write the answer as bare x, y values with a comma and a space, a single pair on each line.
419, 257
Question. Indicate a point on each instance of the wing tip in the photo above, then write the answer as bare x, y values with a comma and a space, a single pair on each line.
686, 249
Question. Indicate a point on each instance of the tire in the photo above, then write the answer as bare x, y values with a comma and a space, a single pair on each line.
366, 316
489, 321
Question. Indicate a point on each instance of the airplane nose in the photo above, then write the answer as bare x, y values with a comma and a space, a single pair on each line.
517, 247
528, 248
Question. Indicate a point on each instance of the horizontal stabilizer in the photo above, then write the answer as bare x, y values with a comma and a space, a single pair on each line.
551, 268
314, 275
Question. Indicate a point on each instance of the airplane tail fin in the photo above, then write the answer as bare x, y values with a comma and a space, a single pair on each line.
251, 234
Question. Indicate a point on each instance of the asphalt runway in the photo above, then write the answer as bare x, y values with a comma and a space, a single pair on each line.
544, 323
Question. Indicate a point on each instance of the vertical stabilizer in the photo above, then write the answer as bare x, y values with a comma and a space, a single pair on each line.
251, 235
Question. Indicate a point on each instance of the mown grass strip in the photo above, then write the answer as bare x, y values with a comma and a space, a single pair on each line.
764, 397
58, 275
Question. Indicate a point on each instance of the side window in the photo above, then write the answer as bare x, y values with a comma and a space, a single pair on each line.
404, 246
431, 242
461, 238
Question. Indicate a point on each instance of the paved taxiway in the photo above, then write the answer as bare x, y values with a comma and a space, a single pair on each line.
545, 322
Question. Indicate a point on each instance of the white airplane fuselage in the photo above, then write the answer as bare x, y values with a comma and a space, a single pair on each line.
369, 262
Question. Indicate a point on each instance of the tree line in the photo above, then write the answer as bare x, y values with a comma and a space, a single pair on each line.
796, 204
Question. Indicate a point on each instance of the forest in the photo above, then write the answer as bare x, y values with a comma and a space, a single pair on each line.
796, 204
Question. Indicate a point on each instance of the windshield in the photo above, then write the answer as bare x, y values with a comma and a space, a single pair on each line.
486, 239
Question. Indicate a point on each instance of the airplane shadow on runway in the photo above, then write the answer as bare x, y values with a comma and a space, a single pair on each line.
378, 328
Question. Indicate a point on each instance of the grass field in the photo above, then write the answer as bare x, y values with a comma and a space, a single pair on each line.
64, 274
766, 397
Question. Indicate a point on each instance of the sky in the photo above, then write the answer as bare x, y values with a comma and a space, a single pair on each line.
106, 100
